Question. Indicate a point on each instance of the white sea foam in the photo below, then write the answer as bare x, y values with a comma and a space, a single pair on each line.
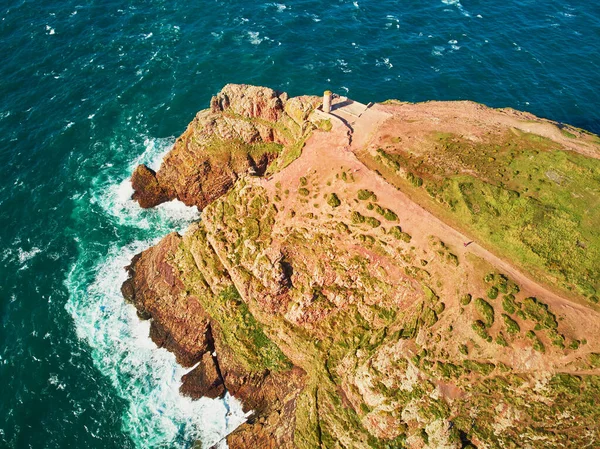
147, 377
384, 62
458, 6
24, 256
254, 37
115, 199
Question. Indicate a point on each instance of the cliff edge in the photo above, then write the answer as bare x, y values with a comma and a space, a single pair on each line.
399, 275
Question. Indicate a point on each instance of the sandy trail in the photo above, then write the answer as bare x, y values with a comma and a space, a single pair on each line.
324, 154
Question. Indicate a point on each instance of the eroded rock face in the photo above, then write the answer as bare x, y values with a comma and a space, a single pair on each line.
147, 190
242, 132
179, 323
204, 380
250, 101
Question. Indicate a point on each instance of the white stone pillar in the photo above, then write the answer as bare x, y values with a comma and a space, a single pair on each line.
327, 101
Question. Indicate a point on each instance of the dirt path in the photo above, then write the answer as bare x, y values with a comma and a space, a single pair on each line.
325, 152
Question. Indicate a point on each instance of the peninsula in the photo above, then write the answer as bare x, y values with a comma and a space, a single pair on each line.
389, 275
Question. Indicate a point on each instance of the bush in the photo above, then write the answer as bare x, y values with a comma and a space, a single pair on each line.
480, 329
303, 181
465, 299
414, 180
333, 200
342, 228
396, 231
304, 192
372, 221
537, 344
364, 194
501, 340
508, 304
463, 349
452, 259
370, 206
512, 327
492, 293
357, 218
486, 311
539, 312
390, 215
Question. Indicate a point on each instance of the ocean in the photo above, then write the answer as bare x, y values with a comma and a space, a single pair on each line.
89, 89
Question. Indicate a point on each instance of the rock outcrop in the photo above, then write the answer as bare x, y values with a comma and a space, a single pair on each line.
341, 312
242, 133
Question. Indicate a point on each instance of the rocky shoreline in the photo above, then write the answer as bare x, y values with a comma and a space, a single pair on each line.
325, 300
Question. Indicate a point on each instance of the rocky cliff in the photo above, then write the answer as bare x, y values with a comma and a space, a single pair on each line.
342, 293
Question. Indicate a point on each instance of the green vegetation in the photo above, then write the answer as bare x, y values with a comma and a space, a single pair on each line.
537, 344
480, 329
501, 340
465, 299
364, 195
518, 193
540, 313
512, 327
372, 221
485, 310
325, 125
333, 200
303, 191
492, 293
357, 218
396, 231
508, 304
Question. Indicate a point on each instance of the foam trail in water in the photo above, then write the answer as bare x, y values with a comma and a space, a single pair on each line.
458, 5
148, 378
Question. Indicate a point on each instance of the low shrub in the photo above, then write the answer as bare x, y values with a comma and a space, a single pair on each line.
512, 327
333, 200
486, 311
492, 293
364, 194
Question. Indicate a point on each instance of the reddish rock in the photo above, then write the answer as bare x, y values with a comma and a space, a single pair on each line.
204, 380
250, 101
179, 323
147, 190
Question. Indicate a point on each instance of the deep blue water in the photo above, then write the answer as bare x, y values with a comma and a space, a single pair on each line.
88, 89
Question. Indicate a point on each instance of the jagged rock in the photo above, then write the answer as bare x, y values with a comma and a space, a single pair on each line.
216, 148
179, 323
249, 101
147, 190
204, 380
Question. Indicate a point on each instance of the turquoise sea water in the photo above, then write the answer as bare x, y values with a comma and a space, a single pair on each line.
88, 89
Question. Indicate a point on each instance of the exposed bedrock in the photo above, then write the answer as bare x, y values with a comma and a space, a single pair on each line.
180, 324
242, 132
